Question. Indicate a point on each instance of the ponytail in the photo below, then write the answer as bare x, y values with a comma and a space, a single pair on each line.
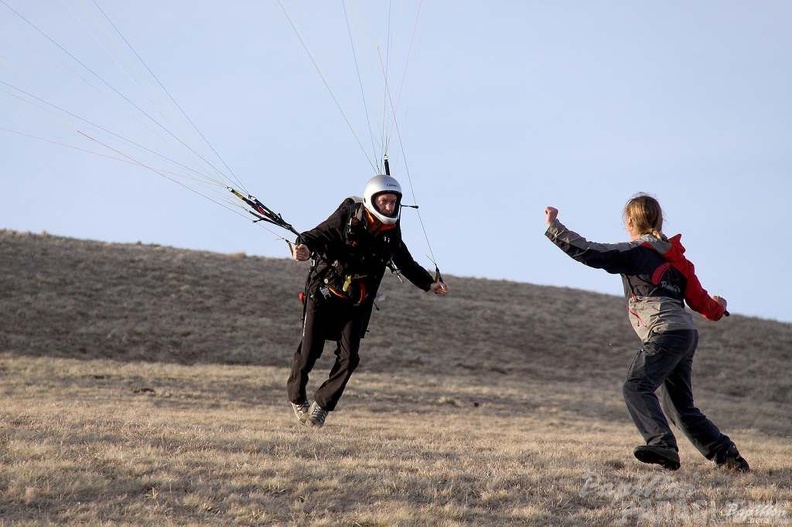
646, 215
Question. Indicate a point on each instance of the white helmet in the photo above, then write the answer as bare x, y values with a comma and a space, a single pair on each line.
382, 184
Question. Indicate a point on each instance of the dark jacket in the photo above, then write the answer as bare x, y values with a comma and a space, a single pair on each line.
658, 279
350, 255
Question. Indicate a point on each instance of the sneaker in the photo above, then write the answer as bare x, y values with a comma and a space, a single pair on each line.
657, 455
730, 459
301, 410
316, 415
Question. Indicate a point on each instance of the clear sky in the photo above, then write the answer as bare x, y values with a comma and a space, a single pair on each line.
498, 108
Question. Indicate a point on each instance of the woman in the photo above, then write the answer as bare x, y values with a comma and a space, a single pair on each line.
658, 281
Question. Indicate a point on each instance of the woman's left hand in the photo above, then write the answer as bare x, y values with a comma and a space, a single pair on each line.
720, 300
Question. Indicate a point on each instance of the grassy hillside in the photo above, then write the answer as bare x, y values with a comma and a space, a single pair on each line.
82, 299
145, 385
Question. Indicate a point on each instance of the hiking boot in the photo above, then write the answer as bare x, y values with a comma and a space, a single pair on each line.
316, 415
658, 455
301, 411
730, 459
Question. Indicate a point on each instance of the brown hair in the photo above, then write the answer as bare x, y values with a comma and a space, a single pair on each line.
646, 215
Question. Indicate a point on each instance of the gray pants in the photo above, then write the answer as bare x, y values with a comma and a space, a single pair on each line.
667, 360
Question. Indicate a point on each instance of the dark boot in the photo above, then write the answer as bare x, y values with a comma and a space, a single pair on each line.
730, 459
658, 455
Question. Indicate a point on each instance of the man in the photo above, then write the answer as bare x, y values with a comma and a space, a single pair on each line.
350, 251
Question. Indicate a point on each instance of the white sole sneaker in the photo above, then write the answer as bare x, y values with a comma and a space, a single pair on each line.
317, 415
301, 411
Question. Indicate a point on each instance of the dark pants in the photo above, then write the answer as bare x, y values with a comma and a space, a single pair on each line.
334, 319
667, 360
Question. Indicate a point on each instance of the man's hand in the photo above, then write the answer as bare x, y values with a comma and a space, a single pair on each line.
301, 252
439, 288
551, 213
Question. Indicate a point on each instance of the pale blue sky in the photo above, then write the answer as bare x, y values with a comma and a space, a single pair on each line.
505, 107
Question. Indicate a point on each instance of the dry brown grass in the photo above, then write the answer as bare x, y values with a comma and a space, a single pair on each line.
145, 386
102, 442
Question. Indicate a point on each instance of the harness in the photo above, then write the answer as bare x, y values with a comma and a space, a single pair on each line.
363, 250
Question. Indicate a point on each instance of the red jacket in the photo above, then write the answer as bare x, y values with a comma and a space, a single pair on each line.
658, 280
695, 295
